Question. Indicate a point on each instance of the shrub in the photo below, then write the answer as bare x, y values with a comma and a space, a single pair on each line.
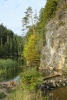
31, 78
2, 95
50, 9
26, 90
62, 23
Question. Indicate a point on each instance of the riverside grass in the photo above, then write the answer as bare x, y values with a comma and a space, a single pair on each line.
8, 68
27, 87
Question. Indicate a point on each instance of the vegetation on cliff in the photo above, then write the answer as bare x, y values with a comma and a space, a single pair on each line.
35, 35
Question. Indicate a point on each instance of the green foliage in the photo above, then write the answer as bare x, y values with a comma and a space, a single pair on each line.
43, 57
27, 88
31, 78
10, 90
50, 9
2, 95
29, 20
9, 43
32, 44
31, 50
62, 23
46, 13
8, 68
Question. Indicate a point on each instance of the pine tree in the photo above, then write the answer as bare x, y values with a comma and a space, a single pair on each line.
30, 52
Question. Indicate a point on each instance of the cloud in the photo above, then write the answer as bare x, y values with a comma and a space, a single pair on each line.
12, 12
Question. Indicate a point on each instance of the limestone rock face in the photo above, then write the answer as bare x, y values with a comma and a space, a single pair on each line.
54, 53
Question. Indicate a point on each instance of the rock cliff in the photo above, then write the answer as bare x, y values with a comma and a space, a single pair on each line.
54, 53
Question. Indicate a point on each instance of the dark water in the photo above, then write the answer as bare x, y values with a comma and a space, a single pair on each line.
61, 93
58, 93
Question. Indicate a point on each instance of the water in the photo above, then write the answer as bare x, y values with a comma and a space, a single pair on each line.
16, 79
58, 93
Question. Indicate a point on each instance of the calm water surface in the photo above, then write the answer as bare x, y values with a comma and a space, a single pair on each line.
59, 93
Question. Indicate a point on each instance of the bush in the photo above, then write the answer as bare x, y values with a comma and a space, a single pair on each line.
31, 78
27, 88
62, 23
50, 9
2, 95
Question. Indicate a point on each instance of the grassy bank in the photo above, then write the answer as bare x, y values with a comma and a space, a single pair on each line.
8, 68
27, 88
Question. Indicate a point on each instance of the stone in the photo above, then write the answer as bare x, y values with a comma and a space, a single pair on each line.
55, 49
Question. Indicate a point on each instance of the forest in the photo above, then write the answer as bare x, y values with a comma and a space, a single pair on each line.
29, 47
10, 48
10, 43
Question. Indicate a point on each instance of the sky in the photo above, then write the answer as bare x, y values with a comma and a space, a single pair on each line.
12, 12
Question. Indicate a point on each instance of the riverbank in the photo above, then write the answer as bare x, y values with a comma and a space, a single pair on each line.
29, 86
8, 86
27, 89
5, 91
55, 87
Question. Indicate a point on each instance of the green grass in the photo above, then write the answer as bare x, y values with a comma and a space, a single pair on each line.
2, 95
8, 68
26, 89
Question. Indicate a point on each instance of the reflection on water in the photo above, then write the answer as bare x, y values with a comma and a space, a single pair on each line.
16, 79
19, 60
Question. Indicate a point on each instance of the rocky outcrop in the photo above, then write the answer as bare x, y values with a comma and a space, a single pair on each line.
52, 84
54, 53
